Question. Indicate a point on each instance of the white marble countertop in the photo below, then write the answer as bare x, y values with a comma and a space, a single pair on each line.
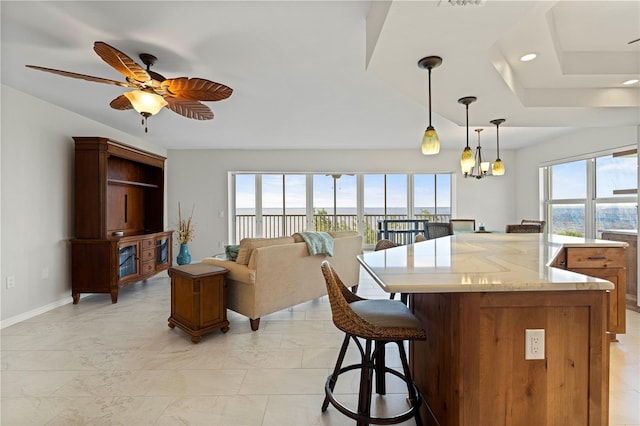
479, 263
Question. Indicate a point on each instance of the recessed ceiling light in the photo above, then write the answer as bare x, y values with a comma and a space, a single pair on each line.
528, 57
628, 82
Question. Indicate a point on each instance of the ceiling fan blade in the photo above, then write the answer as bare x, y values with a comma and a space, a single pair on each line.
121, 103
121, 62
196, 89
81, 76
189, 108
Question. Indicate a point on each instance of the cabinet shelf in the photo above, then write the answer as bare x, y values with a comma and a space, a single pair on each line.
131, 183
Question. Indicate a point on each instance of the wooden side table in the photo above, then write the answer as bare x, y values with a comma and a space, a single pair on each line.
198, 299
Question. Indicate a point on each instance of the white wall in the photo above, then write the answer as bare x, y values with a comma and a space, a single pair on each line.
199, 177
37, 200
580, 142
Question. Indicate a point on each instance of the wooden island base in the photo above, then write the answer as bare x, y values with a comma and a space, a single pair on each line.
472, 368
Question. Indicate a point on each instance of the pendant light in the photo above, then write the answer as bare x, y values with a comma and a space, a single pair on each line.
467, 161
498, 167
430, 140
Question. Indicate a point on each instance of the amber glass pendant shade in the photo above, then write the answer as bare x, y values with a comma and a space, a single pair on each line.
498, 168
467, 161
430, 142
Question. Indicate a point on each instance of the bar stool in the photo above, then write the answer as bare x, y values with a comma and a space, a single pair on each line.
377, 321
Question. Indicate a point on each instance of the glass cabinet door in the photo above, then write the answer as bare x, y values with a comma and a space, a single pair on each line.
128, 260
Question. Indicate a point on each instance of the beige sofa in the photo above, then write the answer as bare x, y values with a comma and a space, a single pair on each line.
280, 273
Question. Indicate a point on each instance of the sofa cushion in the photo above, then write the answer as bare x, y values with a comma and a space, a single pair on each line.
247, 245
342, 234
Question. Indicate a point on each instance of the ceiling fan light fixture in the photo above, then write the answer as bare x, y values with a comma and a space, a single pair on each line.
146, 103
430, 140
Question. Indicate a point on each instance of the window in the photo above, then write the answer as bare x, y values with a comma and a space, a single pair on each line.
275, 204
385, 197
283, 204
432, 196
587, 196
245, 205
569, 195
334, 202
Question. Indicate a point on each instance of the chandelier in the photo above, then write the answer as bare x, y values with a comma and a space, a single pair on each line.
480, 168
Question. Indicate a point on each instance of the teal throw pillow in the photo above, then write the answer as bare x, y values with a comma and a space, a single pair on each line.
232, 251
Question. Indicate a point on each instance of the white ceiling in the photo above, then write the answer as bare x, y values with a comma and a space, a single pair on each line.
337, 74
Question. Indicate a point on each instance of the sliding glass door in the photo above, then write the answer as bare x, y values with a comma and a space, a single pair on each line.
275, 204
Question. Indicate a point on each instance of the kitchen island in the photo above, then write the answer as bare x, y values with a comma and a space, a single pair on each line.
476, 295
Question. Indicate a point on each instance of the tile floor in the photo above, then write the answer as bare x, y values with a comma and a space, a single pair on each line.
101, 364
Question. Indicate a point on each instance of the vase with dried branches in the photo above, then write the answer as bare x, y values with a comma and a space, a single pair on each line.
185, 233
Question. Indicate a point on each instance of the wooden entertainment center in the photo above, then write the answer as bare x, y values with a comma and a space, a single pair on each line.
119, 217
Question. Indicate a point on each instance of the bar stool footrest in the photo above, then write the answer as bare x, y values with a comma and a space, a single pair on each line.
363, 418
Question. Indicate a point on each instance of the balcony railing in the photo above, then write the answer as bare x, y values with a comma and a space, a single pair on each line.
276, 225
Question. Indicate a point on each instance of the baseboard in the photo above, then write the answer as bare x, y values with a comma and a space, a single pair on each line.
53, 305
35, 312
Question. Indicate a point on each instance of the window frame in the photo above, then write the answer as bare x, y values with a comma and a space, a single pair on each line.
591, 201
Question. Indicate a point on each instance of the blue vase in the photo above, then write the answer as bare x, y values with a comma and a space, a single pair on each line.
184, 257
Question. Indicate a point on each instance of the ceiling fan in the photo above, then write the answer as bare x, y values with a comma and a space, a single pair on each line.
152, 91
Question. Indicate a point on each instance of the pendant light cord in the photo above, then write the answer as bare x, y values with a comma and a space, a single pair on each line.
467, 107
498, 139
429, 96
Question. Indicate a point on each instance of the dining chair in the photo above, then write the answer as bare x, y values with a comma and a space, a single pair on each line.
533, 221
384, 244
527, 228
437, 230
463, 224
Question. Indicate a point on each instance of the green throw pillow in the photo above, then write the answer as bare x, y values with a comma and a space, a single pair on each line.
232, 251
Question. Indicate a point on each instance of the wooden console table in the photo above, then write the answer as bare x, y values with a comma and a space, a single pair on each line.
198, 299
